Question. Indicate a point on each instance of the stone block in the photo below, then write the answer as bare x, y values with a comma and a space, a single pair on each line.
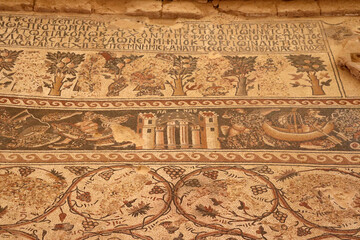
349, 57
150, 8
298, 8
339, 7
109, 6
16, 5
181, 9
249, 8
74, 6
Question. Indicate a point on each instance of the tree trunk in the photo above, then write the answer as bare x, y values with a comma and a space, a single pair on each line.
58, 82
178, 88
241, 87
315, 84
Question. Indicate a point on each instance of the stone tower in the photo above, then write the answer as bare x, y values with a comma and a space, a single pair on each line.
209, 130
146, 124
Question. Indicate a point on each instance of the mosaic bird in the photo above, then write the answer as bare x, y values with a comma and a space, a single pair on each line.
296, 76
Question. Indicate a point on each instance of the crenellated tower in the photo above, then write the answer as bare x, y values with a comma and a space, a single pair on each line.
146, 124
209, 130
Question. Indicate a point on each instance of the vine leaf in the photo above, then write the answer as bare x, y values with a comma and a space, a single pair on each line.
207, 211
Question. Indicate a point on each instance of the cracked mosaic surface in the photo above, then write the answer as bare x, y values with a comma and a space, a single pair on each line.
113, 129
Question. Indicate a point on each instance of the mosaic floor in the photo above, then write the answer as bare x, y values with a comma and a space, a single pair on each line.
222, 129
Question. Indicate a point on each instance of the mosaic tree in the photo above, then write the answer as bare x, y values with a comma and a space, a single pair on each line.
209, 75
309, 65
146, 84
115, 66
89, 74
7, 63
147, 75
268, 76
181, 75
61, 65
241, 67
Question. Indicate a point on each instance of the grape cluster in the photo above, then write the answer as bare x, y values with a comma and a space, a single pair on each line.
77, 170
156, 190
85, 196
88, 225
280, 216
192, 183
266, 170
258, 189
26, 171
107, 175
174, 172
211, 174
303, 231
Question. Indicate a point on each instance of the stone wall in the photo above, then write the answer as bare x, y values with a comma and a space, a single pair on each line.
190, 9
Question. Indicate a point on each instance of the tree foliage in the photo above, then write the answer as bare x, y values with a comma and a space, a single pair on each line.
183, 66
181, 74
240, 65
306, 63
8, 58
116, 64
64, 62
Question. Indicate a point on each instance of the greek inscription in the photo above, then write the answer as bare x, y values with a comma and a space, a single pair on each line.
64, 33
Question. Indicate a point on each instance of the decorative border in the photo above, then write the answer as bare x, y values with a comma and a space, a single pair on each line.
178, 195
194, 157
108, 104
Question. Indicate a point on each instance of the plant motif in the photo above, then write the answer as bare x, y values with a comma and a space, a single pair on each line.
7, 63
89, 225
77, 170
207, 211
286, 174
115, 66
210, 75
269, 81
245, 130
87, 81
141, 209
181, 75
241, 67
174, 172
309, 65
61, 65
145, 83
347, 122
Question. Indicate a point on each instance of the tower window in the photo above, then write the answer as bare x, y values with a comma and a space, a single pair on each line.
139, 130
211, 120
149, 131
212, 129
140, 120
150, 121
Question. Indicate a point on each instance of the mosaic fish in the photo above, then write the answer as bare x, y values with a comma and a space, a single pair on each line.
36, 141
68, 130
58, 116
36, 129
105, 142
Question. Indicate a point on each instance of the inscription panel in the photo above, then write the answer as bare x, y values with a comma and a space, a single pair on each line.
86, 59
194, 37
